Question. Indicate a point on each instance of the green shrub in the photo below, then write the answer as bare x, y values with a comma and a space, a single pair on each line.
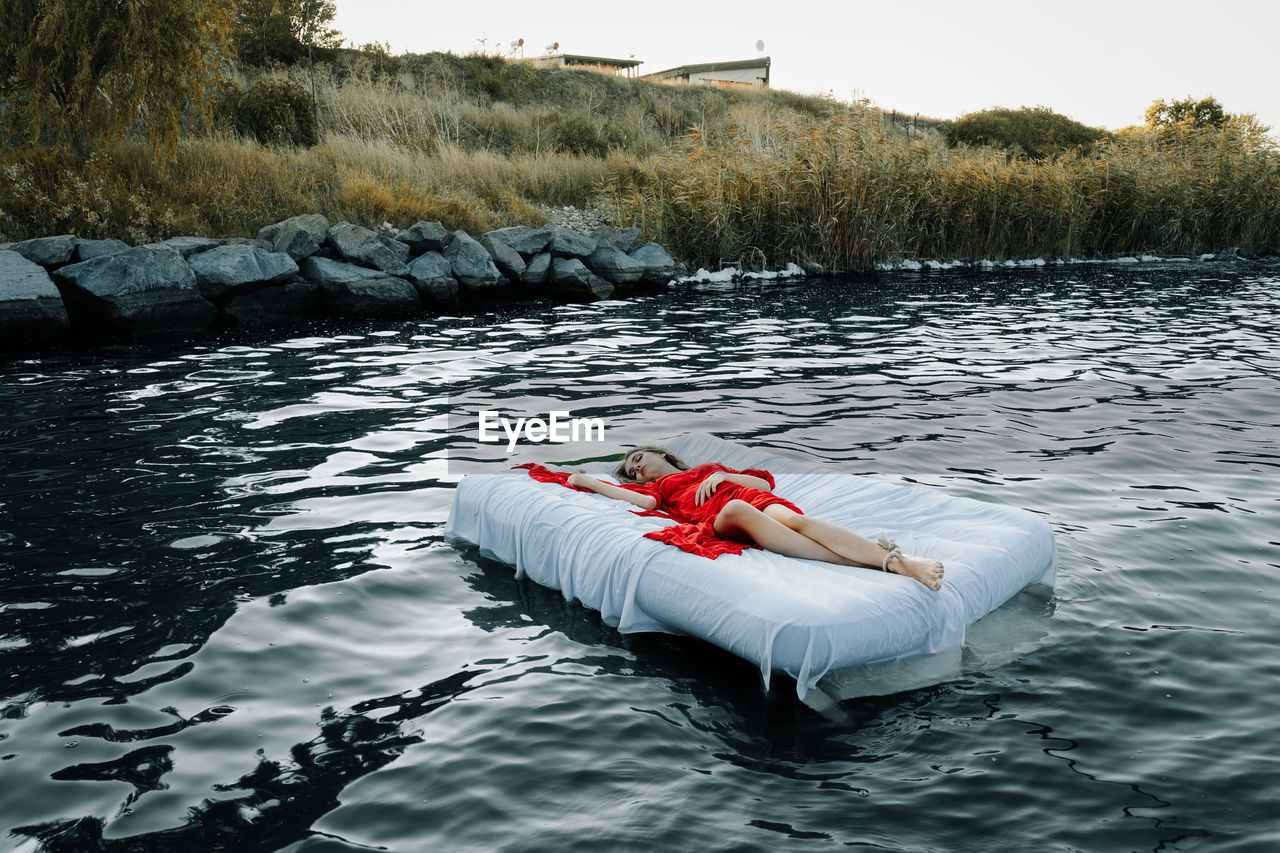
578, 132
496, 79
1035, 132
274, 112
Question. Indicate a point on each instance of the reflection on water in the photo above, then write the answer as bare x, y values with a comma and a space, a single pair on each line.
230, 620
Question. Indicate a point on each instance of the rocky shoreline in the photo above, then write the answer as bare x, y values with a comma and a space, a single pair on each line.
66, 288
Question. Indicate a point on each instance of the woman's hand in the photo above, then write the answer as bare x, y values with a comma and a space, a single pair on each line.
708, 487
582, 480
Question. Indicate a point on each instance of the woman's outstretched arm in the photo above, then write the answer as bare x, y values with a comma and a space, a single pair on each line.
586, 481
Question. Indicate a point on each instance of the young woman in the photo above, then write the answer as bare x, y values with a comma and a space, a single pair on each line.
724, 511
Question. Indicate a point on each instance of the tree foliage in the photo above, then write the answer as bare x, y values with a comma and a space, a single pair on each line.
1187, 113
263, 33
283, 30
313, 18
1035, 132
77, 72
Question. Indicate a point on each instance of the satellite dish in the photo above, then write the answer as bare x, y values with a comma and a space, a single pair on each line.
760, 45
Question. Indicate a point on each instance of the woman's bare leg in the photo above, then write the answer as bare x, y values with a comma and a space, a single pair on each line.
739, 519
859, 549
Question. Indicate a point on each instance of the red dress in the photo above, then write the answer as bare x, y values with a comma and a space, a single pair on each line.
676, 493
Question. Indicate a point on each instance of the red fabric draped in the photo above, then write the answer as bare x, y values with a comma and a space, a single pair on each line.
546, 475
676, 494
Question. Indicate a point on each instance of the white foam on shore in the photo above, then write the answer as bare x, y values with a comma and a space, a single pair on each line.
729, 274
792, 271
911, 264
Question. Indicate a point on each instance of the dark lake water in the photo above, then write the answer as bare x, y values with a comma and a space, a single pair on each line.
230, 620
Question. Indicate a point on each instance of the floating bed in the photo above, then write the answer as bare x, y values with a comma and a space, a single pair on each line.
857, 631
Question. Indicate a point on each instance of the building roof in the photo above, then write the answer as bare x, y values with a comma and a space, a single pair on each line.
577, 59
712, 67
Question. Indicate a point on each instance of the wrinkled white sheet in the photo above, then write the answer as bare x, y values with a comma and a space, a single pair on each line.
802, 617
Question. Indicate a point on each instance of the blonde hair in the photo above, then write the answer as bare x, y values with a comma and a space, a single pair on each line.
621, 474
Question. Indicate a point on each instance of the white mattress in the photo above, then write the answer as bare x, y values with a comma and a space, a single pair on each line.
802, 617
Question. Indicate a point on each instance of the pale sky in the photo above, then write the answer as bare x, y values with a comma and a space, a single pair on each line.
1101, 62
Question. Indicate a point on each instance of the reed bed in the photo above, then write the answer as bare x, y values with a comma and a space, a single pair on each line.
847, 191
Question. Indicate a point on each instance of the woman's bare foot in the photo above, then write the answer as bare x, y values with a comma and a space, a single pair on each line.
928, 572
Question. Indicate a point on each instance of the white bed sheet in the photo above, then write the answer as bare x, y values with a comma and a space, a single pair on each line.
802, 617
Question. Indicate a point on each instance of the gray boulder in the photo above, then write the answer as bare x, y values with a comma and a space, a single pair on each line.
567, 243
47, 251
537, 270
88, 249
570, 277
615, 266
354, 291
432, 274
188, 246
328, 271
234, 269
425, 237
505, 258
267, 233
368, 248
471, 264
251, 242
298, 236
525, 240
144, 289
621, 239
274, 306
387, 297
31, 308
659, 267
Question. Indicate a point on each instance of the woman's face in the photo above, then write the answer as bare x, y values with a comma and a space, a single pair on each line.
645, 465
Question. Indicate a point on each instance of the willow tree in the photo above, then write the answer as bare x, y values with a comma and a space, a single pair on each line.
79, 72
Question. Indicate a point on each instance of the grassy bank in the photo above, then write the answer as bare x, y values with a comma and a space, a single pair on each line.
477, 143
232, 187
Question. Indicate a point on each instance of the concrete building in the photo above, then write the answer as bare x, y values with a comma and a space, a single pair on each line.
745, 72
